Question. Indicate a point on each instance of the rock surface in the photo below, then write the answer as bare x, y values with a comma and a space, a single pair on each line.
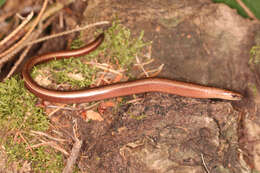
199, 42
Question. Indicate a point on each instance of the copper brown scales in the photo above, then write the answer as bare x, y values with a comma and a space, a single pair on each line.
118, 89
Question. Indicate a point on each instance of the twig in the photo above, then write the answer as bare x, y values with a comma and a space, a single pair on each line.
55, 7
141, 66
68, 32
26, 167
25, 21
74, 152
23, 55
48, 136
28, 145
100, 79
61, 20
56, 110
73, 157
145, 63
51, 144
204, 164
247, 10
20, 16
134, 101
105, 67
50, 11
18, 62
19, 43
154, 72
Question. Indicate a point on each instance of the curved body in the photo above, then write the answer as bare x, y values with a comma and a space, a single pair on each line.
119, 89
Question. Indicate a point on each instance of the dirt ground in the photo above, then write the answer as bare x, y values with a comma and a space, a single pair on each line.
198, 42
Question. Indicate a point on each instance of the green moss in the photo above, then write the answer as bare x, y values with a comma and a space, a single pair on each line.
118, 49
42, 159
18, 113
17, 107
18, 110
120, 46
254, 56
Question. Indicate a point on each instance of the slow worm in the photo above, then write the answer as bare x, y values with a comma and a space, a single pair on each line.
118, 89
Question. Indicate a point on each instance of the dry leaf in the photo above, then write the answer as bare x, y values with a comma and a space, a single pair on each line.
92, 115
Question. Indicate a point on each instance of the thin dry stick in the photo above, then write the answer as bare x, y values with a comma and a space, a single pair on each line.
247, 10
19, 43
141, 66
47, 136
68, 32
74, 152
101, 77
73, 157
45, 38
134, 100
105, 67
51, 144
25, 21
204, 164
41, 144
51, 10
17, 63
61, 20
145, 63
20, 17
55, 7
22, 56
56, 110
20, 134
156, 71
153, 72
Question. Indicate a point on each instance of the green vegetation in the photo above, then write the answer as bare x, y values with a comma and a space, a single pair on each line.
254, 56
118, 50
17, 107
120, 46
42, 159
254, 61
2, 2
19, 113
254, 6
